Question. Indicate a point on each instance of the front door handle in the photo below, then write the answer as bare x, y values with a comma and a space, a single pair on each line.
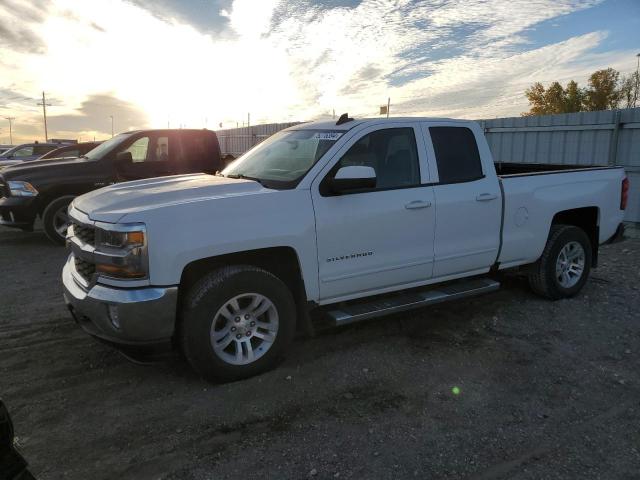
485, 197
417, 204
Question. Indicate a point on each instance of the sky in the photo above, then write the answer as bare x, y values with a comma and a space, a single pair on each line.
206, 63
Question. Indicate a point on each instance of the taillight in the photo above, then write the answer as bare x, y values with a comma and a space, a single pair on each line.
624, 194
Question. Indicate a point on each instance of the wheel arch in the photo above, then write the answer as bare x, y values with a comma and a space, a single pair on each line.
283, 262
585, 218
51, 197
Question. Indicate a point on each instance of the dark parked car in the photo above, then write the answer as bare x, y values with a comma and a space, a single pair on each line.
71, 151
28, 151
45, 188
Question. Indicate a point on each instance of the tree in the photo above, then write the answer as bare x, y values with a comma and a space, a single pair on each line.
554, 99
603, 92
537, 100
606, 91
629, 90
574, 97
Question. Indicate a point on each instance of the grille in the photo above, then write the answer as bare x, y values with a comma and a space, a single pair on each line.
85, 269
85, 233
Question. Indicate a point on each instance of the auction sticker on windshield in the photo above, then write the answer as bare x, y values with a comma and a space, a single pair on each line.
327, 136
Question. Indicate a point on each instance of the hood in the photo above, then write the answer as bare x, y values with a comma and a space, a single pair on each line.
111, 203
26, 167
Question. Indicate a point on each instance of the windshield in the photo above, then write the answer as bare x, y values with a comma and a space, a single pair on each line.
105, 147
284, 158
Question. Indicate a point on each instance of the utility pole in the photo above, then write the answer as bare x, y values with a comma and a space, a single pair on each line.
388, 105
44, 114
10, 130
111, 116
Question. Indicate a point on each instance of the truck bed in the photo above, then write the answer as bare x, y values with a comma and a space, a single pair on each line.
507, 169
533, 193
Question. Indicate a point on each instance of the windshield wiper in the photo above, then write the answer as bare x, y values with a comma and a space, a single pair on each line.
245, 177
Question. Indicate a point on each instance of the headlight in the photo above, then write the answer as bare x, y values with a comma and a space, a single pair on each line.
22, 189
122, 252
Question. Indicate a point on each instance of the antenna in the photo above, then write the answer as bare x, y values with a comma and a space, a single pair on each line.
344, 118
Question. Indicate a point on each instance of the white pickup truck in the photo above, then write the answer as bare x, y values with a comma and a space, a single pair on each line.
353, 219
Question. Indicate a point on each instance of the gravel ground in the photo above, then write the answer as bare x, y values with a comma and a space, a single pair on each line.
546, 390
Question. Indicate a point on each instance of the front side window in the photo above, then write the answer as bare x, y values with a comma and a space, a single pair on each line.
138, 149
391, 152
457, 154
284, 158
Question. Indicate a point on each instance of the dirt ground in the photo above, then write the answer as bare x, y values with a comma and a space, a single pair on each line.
546, 390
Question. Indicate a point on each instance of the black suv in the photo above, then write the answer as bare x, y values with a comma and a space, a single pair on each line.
46, 187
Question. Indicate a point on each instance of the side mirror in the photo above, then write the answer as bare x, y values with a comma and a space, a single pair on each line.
124, 158
353, 178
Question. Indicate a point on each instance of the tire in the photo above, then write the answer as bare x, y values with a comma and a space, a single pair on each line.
209, 317
554, 277
53, 217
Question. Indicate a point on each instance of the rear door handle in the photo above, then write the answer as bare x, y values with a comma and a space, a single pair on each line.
485, 197
417, 204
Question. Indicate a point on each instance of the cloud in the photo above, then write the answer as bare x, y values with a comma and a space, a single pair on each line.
196, 62
17, 22
203, 15
94, 116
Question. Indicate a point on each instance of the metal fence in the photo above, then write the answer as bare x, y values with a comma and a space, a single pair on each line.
236, 141
610, 137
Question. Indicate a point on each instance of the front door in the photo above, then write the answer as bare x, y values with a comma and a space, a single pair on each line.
381, 238
151, 156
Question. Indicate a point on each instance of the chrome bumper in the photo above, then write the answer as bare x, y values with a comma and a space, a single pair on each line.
122, 316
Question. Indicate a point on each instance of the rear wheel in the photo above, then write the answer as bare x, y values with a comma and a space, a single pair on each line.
237, 322
564, 266
55, 220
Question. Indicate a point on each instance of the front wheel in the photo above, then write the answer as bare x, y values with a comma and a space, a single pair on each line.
564, 266
55, 219
237, 322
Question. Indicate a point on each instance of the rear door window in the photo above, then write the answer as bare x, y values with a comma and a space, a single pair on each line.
42, 149
457, 154
23, 152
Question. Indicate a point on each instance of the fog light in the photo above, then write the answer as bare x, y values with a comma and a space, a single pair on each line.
113, 315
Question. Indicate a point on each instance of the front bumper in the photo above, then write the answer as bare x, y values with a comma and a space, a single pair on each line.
145, 316
18, 212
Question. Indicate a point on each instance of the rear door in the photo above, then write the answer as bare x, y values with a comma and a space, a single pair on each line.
198, 152
468, 202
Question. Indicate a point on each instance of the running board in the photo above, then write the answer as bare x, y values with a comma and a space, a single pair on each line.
343, 314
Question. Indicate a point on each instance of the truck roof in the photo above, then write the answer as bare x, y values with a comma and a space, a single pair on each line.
331, 124
169, 130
